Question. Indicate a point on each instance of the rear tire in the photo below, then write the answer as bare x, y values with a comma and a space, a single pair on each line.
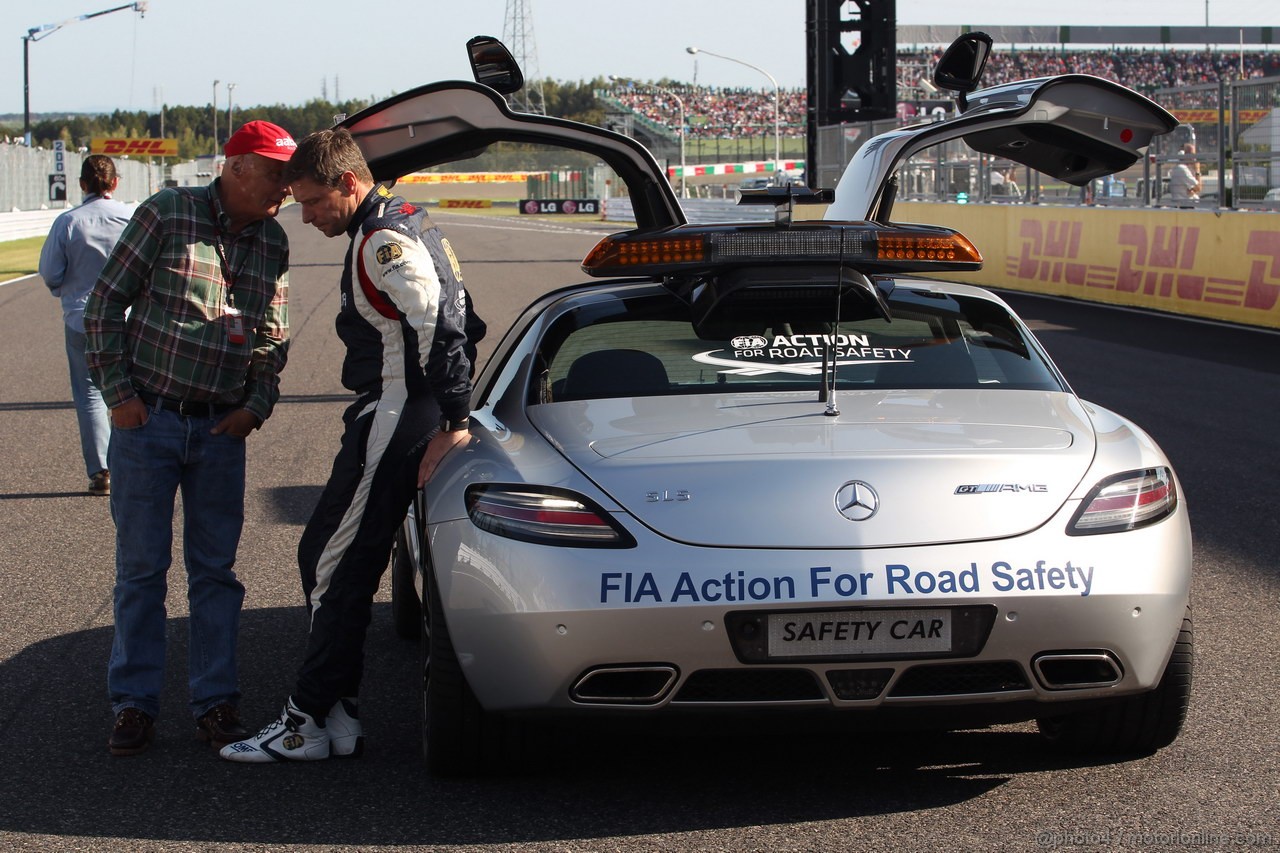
458, 737
406, 610
1136, 725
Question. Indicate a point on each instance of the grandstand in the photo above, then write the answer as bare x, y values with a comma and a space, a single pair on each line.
713, 113
1180, 69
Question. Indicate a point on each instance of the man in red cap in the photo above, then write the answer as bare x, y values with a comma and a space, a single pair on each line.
203, 272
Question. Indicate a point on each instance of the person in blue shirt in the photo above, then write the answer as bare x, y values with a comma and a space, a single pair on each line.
73, 255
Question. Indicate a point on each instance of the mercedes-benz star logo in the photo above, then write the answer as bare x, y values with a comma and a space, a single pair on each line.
857, 501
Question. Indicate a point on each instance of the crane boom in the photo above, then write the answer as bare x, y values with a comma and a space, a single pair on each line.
46, 30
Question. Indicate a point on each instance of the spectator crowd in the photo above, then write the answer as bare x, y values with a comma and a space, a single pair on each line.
734, 113
713, 113
1143, 69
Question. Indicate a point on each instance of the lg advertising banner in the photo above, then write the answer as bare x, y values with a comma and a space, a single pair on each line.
560, 205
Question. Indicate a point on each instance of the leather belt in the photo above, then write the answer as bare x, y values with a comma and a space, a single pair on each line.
185, 408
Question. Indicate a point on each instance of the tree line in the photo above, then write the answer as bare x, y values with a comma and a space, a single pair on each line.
193, 126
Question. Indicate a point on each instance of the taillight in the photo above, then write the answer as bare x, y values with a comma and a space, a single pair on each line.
1126, 502
544, 515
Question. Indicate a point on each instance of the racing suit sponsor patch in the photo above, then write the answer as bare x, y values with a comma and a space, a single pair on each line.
453, 259
388, 253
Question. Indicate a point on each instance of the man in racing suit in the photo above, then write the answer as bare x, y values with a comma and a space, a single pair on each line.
404, 321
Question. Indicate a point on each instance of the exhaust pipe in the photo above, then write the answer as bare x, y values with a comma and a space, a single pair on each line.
1076, 670
624, 685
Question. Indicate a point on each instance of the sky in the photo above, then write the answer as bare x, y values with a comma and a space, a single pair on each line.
289, 52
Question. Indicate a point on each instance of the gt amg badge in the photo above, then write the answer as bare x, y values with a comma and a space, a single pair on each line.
857, 501
986, 488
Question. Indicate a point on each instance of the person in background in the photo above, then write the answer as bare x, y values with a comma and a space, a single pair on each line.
1011, 187
997, 182
70, 260
1184, 177
404, 318
204, 274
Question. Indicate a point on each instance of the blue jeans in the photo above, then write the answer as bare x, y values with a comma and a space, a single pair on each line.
91, 412
149, 465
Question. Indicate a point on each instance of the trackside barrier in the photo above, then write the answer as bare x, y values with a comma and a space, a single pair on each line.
557, 184
753, 167
1219, 265
699, 211
26, 174
464, 203
22, 224
466, 177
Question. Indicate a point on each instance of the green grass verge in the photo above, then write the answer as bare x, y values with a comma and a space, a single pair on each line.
19, 257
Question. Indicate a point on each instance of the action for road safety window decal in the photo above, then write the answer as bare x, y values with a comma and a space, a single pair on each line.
757, 355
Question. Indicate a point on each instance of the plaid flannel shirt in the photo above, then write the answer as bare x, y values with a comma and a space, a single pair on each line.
175, 340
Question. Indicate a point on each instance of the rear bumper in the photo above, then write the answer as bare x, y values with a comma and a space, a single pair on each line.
648, 629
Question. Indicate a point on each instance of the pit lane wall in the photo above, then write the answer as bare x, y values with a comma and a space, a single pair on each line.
1220, 265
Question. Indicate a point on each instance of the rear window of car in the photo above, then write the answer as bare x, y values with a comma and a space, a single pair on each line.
650, 345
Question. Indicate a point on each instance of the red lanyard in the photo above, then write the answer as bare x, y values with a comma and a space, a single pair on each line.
227, 275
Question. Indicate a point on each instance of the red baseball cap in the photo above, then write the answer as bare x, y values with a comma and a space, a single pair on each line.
261, 137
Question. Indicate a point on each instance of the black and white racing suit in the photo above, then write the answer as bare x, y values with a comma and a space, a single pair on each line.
403, 319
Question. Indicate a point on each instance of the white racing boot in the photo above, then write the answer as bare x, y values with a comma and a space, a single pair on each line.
295, 736
346, 736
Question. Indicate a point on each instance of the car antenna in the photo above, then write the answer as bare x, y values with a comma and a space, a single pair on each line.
830, 361
784, 200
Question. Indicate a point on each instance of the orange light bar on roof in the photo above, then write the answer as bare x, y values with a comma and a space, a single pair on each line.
646, 252
869, 246
925, 247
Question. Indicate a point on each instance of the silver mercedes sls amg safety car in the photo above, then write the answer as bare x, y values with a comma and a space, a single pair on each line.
763, 467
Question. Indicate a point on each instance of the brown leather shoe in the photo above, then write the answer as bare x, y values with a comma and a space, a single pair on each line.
133, 732
100, 484
220, 725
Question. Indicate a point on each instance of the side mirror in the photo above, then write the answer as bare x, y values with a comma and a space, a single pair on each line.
493, 65
961, 66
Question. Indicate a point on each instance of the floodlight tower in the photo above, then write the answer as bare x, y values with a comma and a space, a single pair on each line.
44, 31
517, 35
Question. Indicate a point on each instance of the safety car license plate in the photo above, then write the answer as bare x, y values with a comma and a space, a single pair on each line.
841, 633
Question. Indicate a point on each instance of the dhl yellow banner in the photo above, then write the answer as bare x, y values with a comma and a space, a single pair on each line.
1211, 116
1221, 265
466, 202
134, 147
467, 177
